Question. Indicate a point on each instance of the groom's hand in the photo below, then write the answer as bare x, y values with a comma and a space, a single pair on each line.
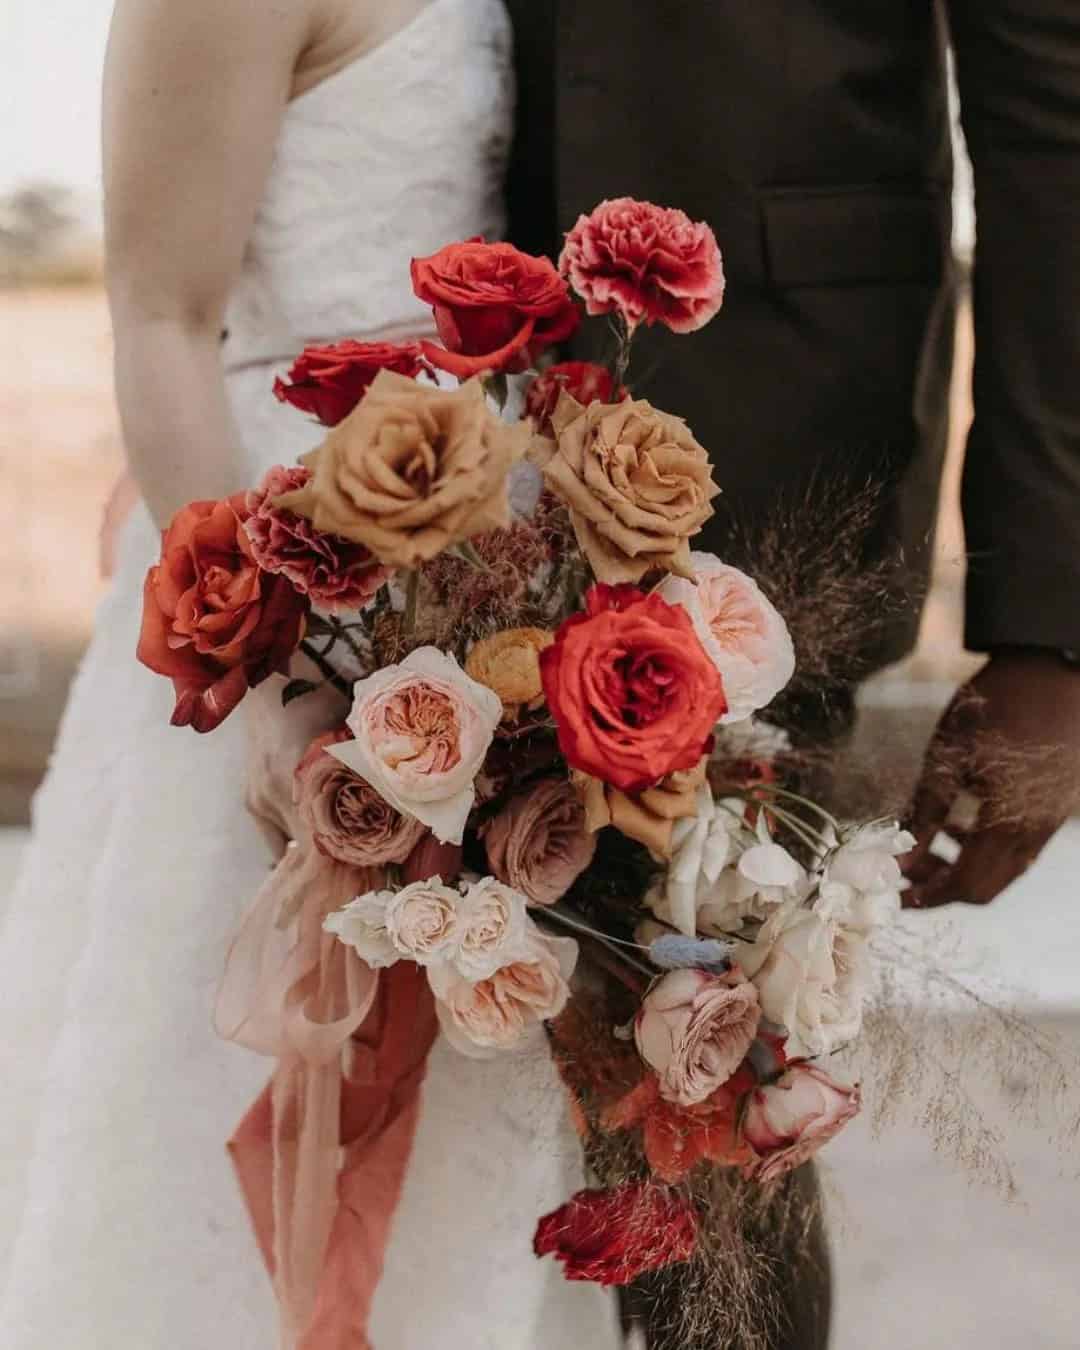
1001, 775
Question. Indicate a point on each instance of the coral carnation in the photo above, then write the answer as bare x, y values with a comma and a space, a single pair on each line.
649, 264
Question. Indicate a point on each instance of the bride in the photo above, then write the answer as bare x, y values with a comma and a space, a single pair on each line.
270, 170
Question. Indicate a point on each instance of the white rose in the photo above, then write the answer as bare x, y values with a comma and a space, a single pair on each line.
422, 730
423, 922
863, 871
739, 627
810, 965
701, 846
493, 923
765, 877
362, 925
481, 1018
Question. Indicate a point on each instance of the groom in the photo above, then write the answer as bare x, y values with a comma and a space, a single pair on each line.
813, 135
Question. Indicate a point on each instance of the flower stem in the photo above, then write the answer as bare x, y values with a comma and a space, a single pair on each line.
327, 671
412, 596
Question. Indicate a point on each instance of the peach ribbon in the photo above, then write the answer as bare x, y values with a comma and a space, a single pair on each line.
322, 1153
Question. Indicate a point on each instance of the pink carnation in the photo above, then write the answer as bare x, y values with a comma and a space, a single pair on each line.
647, 263
335, 573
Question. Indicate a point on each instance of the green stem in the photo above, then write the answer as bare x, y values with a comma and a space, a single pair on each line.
327, 671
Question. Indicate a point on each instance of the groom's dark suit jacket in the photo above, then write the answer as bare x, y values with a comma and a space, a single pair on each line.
814, 136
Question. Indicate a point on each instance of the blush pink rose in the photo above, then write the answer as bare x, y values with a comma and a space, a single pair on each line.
694, 1030
335, 573
481, 1018
348, 819
423, 922
539, 843
421, 730
647, 263
789, 1120
740, 628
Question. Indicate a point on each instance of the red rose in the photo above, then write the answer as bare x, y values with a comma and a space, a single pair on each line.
496, 308
647, 263
634, 694
335, 573
330, 381
213, 621
612, 1237
588, 382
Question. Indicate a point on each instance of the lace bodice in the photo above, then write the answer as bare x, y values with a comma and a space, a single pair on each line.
400, 152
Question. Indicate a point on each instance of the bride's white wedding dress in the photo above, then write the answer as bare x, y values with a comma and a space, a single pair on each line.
121, 1226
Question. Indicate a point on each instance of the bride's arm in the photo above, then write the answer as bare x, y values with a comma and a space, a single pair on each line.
194, 92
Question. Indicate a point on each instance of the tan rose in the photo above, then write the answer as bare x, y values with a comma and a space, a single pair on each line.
649, 816
637, 484
411, 470
508, 663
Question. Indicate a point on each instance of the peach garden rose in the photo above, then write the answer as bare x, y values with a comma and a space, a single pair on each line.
421, 730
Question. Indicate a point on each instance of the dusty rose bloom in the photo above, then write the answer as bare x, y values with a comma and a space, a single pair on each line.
539, 843
788, 1121
647, 263
348, 819
694, 1029
335, 572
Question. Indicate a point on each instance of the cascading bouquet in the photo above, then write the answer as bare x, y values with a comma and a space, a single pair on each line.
532, 743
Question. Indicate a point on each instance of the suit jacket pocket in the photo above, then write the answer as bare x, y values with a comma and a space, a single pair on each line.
855, 235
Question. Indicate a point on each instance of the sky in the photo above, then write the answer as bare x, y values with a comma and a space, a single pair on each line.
51, 55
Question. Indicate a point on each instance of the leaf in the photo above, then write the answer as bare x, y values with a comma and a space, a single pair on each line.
295, 689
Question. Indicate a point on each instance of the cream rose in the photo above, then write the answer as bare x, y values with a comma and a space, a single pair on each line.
741, 630
482, 1018
362, 926
694, 1030
637, 484
493, 923
811, 968
423, 922
421, 730
787, 1122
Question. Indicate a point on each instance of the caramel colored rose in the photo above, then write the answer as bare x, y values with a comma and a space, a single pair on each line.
509, 664
649, 816
637, 484
411, 470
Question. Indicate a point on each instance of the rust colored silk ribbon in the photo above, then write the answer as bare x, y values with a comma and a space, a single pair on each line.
321, 1155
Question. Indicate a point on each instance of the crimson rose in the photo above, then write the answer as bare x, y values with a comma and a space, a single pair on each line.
495, 307
585, 380
330, 381
213, 621
612, 1237
634, 694
647, 263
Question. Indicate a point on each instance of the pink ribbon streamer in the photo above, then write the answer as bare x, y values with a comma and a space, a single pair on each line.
322, 1153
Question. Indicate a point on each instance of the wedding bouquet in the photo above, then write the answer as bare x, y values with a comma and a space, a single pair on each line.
544, 747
